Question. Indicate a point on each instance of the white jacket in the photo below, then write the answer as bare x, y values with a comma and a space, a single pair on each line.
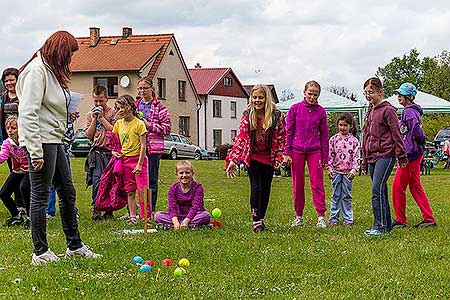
42, 107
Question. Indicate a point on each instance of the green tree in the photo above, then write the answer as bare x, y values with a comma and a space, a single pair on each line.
407, 68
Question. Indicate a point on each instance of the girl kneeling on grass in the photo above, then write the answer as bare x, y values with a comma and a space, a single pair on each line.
342, 167
260, 145
132, 135
382, 144
185, 201
18, 180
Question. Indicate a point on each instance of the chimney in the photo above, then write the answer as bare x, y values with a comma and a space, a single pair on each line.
94, 35
126, 32
198, 66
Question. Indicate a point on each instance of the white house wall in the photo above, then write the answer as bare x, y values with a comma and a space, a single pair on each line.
225, 123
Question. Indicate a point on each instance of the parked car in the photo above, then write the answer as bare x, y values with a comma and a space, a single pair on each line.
441, 136
81, 144
177, 145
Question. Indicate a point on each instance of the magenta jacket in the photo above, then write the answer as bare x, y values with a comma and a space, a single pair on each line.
307, 130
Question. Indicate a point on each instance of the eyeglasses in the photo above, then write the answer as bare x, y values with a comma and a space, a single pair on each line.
315, 95
143, 88
369, 93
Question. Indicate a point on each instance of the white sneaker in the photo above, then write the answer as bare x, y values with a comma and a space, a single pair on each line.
44, 258
124, 217
321, 223
298, 221
84, 252
50, 217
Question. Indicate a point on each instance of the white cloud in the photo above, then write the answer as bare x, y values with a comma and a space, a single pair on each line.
280, 41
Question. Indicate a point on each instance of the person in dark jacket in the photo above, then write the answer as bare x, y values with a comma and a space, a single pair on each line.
382, 144
414, 140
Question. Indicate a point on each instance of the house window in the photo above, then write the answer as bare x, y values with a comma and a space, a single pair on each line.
181, 90
233, 109
217, 109
110, 83
162, 88
217, 137
184, 126
233, 134
227, 81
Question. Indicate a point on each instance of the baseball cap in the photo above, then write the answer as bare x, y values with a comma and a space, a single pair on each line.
406, 89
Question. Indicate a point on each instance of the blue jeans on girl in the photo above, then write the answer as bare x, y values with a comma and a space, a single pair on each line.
379, 172
341, 201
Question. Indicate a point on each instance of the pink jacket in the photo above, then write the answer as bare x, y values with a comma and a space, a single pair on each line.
344, 154
276, 136
160, 124
111, 194
18, 155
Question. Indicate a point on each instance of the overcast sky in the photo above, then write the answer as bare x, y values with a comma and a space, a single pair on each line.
270, 41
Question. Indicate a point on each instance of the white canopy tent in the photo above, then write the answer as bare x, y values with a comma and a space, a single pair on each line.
332, 103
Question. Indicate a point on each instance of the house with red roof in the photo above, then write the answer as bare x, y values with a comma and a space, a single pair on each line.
223, 99
118, 62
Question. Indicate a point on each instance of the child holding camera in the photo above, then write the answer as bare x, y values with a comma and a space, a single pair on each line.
98, 121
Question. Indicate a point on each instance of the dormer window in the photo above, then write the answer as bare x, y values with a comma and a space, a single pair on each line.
227, 81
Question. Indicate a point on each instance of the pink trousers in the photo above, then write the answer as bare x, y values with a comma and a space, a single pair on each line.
314, 161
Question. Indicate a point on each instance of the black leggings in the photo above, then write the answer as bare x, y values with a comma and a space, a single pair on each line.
18, 183
260, 183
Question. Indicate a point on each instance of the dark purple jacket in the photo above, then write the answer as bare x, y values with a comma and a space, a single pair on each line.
307, 130
411, 129
382, 137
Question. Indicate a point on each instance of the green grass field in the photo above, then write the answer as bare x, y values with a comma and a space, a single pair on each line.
233, 262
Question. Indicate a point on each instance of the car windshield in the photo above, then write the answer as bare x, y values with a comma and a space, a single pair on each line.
443, 134
185, 140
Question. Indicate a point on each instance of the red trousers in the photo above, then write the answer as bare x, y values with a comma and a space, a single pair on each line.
410, 176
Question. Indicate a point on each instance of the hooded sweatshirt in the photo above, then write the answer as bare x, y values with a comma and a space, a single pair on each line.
382, 137
411, 129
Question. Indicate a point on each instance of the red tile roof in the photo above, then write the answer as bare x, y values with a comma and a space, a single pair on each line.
205, 79
128, 54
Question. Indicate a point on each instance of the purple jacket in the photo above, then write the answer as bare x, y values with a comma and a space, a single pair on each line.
411, 129
307, 130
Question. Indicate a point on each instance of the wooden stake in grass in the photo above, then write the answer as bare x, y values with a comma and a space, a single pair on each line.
146, 196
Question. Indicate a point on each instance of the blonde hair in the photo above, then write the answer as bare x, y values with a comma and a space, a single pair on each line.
184, 163
312, 83
10, 120
268, 109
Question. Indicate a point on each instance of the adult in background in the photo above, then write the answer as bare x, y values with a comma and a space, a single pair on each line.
43, 115
414, 140
157, 120
9, 108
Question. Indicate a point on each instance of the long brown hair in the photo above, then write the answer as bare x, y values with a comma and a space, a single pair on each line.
376, 83
350, 120
57, 54
127, 100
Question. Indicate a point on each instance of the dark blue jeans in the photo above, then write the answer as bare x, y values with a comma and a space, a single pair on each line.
379, 173
56, 168
153, 169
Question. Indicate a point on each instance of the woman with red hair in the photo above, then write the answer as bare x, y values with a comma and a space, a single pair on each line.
42, 88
